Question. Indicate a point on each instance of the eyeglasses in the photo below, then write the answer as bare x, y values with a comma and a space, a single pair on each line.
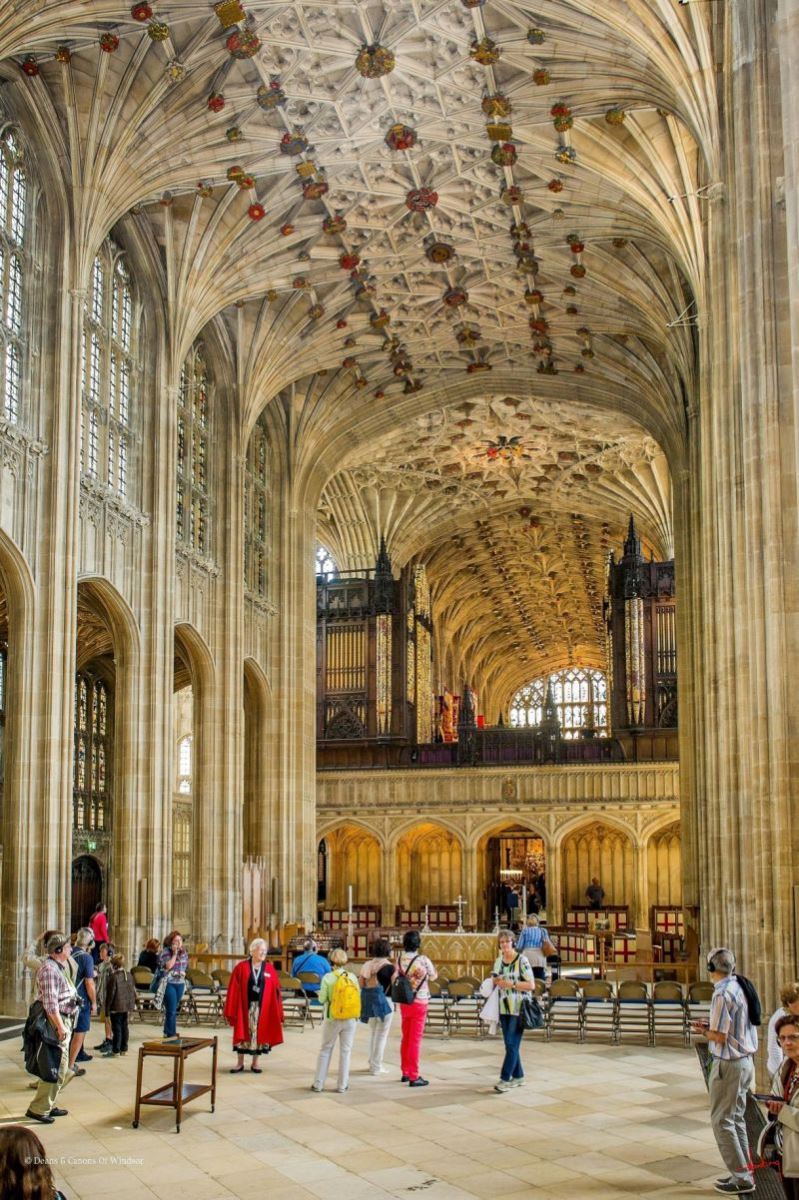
789, 1037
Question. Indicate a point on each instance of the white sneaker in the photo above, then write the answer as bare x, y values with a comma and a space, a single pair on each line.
344, 1089
380, 1071
315, 1087
517, 1082
502, 1086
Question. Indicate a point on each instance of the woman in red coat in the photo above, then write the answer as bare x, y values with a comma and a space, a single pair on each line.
254, 1008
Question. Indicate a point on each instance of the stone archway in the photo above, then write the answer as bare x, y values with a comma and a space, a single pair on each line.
87, 889
429, 866
509, 855
600, 849
664, 867
192, 809
353, 858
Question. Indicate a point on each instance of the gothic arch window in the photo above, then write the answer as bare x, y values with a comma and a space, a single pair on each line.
193, 489
185, 756
256, 508
110, 372
14, 272
325, 563
580, 696
92, 745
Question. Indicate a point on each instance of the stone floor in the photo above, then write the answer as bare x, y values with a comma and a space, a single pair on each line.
594, 1122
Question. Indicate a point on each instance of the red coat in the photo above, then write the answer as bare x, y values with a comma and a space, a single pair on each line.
237, 1009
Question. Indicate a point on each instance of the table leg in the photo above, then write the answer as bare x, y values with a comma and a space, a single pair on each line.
138, 1089
179, 1064
213, 1075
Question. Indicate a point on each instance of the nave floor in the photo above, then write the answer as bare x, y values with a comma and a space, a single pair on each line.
594, 1122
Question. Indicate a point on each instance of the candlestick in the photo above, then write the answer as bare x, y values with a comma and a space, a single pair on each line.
349, 901
496, 921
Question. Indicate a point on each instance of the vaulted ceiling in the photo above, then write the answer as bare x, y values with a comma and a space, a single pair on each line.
398, 211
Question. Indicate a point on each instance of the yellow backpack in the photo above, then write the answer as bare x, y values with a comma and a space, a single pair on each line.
345, 1001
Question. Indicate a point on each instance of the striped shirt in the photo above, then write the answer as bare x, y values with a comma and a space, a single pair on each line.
729, 1014
517, 971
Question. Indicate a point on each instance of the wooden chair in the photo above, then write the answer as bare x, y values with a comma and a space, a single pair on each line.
635, 1010
698, 1004
296, 1006
600, 1008
669, 1013
565, 1008
463, 1008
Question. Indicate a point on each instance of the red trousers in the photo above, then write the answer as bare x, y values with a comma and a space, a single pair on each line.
413, 1019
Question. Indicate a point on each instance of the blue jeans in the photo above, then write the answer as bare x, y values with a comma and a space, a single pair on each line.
172, 998
512, 1033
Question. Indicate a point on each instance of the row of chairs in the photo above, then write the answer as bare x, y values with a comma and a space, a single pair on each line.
203, 999
581, 1009
626, 1010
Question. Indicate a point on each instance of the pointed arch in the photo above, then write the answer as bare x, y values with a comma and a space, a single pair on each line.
192, 828
20, 902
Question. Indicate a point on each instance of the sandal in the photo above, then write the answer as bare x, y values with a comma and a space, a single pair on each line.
236, 1070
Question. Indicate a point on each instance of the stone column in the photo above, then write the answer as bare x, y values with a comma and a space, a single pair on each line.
228, 867
741, 583
470, 888
293, 764
388, 875
640, 911
555, 883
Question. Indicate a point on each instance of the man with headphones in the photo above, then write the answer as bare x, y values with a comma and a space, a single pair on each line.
733, 1042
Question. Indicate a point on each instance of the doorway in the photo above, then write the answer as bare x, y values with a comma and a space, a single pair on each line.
87, 889
515, 859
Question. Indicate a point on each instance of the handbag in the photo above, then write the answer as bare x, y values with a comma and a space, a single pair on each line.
402, 990
530, 1013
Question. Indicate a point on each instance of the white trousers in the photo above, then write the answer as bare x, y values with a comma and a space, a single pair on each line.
377, 1043
331, 1030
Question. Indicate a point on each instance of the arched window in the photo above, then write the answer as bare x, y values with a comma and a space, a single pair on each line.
256, 505
325, 563
14, 238
92, 768
193, 495
109, 374
184, 765
580, 696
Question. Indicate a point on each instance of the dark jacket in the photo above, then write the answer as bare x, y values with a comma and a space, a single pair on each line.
41, 1045
120, 992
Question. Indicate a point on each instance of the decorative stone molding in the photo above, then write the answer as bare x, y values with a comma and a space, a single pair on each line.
261, 604
198, 564
98, 501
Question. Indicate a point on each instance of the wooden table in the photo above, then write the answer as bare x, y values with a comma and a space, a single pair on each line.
178, 1092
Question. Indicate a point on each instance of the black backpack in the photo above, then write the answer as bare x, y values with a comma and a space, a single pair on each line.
402, 990
752, 999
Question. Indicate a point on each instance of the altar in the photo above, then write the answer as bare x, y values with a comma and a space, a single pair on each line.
461, 953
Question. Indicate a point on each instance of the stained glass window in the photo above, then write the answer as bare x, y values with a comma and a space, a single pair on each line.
14, 260
256, 507
325, 563
92, 746
193, 491
109, 373
580, 696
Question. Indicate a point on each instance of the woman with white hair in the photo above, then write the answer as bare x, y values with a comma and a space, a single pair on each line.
254, 1008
